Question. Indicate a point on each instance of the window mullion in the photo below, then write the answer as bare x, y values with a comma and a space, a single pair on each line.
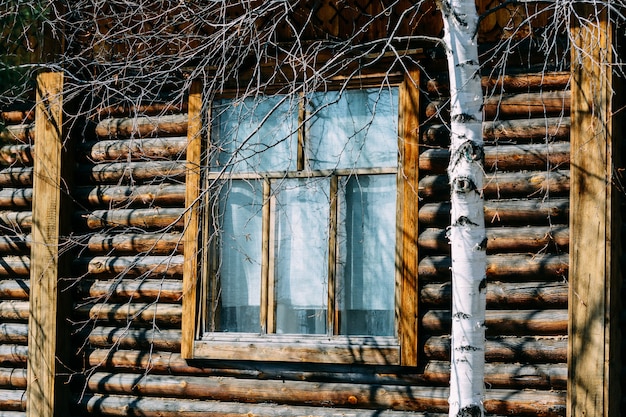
209, 262
300, 166
333, 319
267, 262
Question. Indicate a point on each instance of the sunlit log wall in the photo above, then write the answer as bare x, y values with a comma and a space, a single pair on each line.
127, 312
129, 200
526, 161
16, 179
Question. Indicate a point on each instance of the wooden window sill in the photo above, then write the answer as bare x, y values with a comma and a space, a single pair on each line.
299, 348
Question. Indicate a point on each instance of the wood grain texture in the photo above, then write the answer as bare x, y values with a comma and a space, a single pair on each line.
44, 268
407, 229
593, 388
192, 220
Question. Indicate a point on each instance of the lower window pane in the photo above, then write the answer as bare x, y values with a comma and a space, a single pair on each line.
301, 214
238, 280
366, 255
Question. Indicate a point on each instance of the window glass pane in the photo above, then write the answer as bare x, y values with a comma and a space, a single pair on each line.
301, 213
366, 242
255, 134
239, 269
353, 129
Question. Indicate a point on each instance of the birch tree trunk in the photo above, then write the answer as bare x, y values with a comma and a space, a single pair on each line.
467, 229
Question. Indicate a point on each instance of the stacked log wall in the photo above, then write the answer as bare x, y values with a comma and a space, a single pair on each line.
128, 270
16, 180
526, 192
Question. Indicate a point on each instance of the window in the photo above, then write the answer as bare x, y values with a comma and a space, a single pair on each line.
304, 227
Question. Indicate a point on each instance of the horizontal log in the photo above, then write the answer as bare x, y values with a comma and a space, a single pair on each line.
518, 106
24, 132
531, 157
507, 375
401, 398
21, 155
504, 239
15, 244
16, 177
12, 414
117, 405
116, 172
506, 349
14, 266
164, 125
137, 149
13, 378
11, 117
136, 243
172, 363
15, 221
506, 267
16, 197
544, 81
14, 310
518, 131
14, 333
499, 375
13, 355
152, 218
525, 130
138, 313
135, 290
505, 322
124, 196
527, 105
143, 109
504, 212
502, 185
12, 400
131, 266
509, 295
167, 340
14, 288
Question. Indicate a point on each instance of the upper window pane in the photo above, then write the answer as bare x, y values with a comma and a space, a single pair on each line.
353, 129
256, 134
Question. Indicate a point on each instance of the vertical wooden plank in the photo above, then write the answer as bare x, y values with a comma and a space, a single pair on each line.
271, 256
407, 230
192, 218
43, 394
593, 279
265, 259
332, 308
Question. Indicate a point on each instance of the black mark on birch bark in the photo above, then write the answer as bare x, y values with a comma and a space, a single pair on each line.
464, 221
469, 411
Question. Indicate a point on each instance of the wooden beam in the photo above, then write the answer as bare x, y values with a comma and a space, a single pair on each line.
192, 219
44, 386
594, 383
407, 229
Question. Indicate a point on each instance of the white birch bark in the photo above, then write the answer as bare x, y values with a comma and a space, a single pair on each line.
467, 230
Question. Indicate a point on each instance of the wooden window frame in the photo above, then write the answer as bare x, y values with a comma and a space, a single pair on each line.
375, 350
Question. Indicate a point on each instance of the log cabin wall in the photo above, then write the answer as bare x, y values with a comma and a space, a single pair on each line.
16, 181
128, 266
127, 311
526, 132
127, 272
